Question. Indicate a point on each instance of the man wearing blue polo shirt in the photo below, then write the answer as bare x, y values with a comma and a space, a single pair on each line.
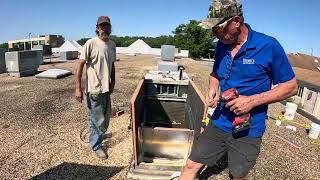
250, 62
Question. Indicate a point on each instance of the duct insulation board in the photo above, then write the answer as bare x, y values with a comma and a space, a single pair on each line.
168, 143
167, 66
54, 74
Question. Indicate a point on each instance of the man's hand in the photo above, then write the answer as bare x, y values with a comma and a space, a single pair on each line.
79, 95
213, 98
241, 105
201, 130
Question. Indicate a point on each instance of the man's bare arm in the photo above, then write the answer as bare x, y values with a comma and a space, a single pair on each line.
113, 74
213, 95
78, 93
279, 93
113, 78
244, 104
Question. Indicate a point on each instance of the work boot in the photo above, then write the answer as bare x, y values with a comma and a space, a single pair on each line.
107, 136
101, 154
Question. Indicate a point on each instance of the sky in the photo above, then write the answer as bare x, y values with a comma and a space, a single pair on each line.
294, 23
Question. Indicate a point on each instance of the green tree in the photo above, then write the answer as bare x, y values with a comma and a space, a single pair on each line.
190, 37
194, 38
156, 42
82, 41
4, 45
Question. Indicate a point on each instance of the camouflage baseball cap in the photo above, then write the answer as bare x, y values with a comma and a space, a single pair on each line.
221, 9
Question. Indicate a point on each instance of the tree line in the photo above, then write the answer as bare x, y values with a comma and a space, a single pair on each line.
189, 36
4, 46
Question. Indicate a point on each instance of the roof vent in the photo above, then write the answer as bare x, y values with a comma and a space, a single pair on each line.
297, 54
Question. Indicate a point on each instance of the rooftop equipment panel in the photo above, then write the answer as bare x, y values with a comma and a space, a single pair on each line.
167, 52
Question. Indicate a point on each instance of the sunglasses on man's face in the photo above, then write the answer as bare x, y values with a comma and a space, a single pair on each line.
219, 27
104, 24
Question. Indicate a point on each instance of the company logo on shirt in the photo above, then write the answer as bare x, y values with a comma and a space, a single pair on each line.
248, 61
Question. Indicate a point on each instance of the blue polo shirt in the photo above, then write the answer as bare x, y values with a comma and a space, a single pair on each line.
260, 62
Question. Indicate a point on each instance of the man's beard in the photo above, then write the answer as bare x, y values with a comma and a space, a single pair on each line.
231, 38
103, 35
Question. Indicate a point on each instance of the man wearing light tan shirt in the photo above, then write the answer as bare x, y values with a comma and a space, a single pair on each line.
99, 55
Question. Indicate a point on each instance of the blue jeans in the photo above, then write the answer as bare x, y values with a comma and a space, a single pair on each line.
99, 111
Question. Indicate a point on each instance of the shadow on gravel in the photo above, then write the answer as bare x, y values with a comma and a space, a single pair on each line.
79, 172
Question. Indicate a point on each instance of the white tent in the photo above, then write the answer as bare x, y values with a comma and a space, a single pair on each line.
139, 47
76, 44
70, 46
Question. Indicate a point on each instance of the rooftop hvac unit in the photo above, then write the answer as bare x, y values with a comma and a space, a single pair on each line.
23, 63
166, 117
69, 55
46, 49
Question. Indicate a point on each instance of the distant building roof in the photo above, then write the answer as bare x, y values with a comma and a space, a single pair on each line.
306, 75
304, 61
38, 38
306, 68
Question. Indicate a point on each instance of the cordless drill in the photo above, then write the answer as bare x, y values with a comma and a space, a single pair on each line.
242, 122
